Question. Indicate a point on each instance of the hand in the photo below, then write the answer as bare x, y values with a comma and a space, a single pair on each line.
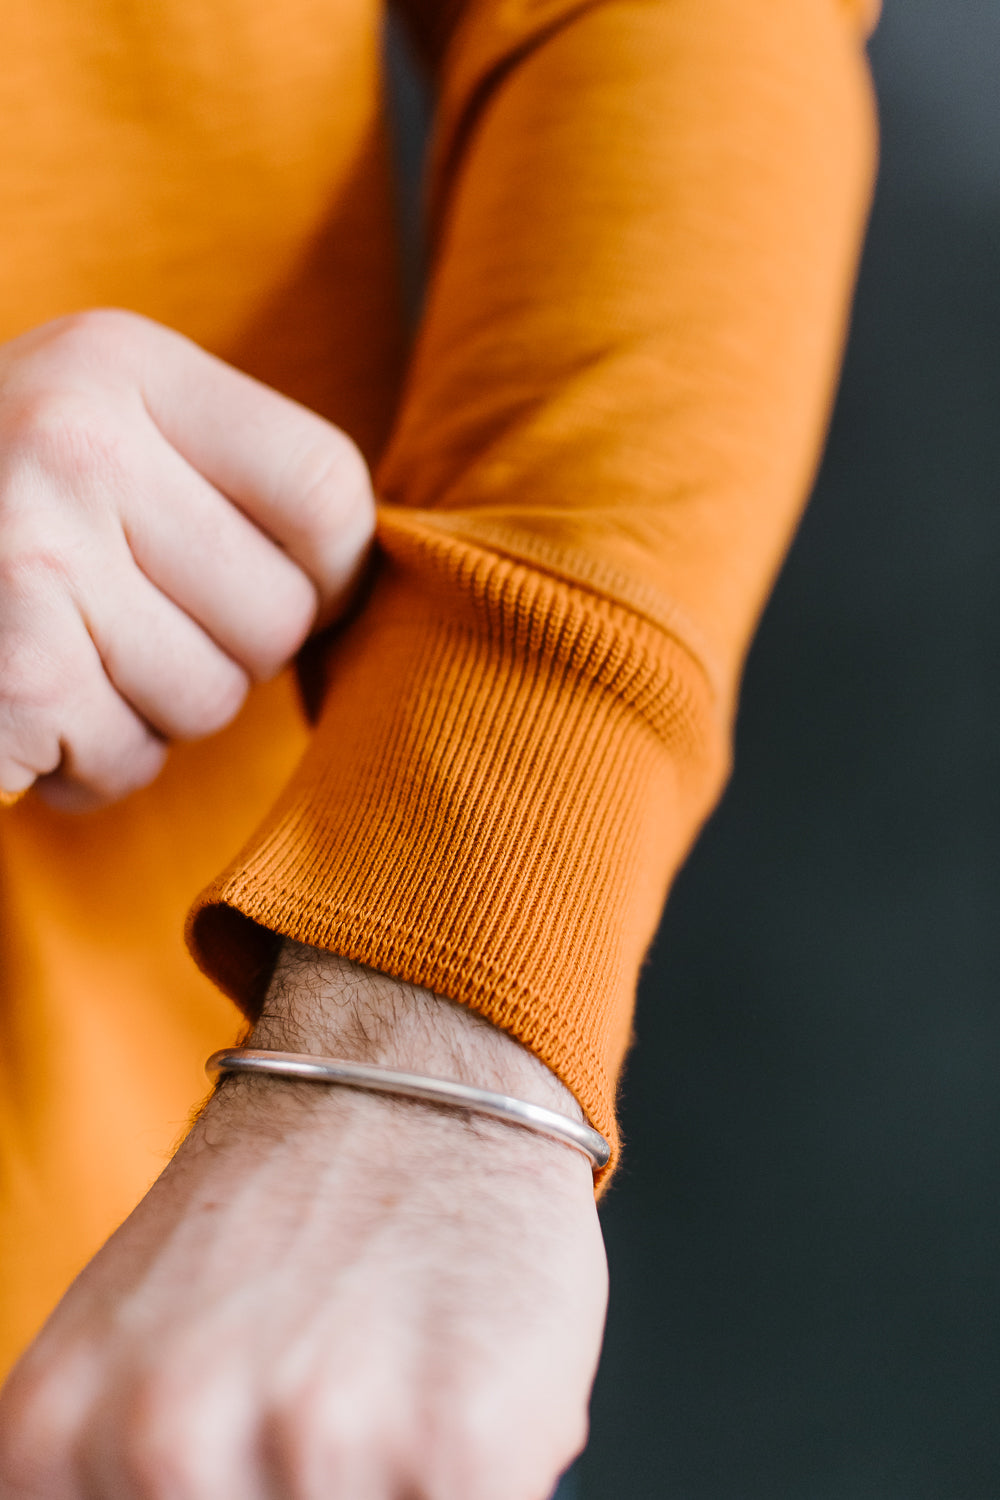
170, 531
331, 1295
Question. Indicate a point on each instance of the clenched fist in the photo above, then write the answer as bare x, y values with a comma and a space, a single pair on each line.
170, 531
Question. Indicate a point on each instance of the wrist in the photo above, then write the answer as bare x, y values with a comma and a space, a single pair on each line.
322, 1004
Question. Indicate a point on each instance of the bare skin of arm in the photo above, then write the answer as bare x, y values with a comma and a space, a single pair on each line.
331, 1293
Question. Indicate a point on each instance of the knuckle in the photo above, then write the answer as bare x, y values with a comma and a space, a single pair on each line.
159, 1445
63, 435
215, 698
332, 487
93, 330
478, 1421
33, 682
465, 1451
33, 1432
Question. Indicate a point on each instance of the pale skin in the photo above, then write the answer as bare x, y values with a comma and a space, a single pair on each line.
170, 532
327, 1295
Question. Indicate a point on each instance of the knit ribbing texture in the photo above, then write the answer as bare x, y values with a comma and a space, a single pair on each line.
504, 775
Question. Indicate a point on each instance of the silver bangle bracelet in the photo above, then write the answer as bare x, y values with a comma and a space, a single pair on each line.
414, 1086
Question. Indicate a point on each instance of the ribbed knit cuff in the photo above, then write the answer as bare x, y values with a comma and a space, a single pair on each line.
505, 773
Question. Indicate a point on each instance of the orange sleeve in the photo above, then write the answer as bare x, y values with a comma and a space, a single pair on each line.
646, 220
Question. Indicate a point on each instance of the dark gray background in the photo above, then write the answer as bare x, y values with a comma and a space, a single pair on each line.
805, 1236
805, 1241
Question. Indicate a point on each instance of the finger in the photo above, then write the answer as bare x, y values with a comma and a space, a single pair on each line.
107, 750
216, 565
299, 478
158, 659
61, 721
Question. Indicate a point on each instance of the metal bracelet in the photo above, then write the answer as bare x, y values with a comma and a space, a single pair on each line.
414, 1086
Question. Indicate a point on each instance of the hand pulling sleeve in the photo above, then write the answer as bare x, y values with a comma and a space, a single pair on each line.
646, 217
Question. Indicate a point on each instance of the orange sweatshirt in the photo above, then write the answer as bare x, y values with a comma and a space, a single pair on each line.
645, 221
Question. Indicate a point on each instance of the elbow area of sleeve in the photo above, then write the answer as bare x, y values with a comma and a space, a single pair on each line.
505, 774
